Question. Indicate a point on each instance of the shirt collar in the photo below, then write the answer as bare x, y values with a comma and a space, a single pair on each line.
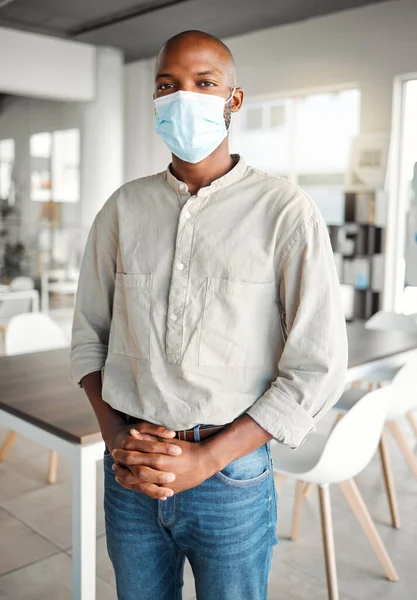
232, 176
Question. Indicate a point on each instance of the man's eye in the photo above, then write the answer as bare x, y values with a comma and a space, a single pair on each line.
206, 84
165, 86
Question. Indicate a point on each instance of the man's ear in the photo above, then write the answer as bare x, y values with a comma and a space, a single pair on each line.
237, 100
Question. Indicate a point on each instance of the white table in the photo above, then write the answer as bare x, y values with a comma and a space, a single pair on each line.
58, 417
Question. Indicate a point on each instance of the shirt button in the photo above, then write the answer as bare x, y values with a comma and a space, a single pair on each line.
173, 317
182, 187
180, 266
187, 215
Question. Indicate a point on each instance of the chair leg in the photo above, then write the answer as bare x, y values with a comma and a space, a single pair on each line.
308, 489
279, 479
53, 467
328, 541
412, 421
406, 451
7, 444
361, 512
296, 516
389, 481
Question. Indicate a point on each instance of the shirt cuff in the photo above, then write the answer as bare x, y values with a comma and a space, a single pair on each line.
84, 365
283, 418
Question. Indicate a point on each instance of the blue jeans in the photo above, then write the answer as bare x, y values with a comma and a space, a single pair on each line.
225, 527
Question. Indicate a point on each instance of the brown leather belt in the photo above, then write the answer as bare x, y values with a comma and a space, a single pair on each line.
206, 432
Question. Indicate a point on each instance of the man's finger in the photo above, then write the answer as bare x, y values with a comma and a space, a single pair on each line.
134, 447
150, 489
154, 491
149, 428
142, 475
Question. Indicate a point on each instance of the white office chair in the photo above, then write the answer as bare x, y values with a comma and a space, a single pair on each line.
404, 401
15, 306
338, 459
26, 333
20, 284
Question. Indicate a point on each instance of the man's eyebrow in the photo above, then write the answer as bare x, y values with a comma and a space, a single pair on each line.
199, 74
202, 73
163, 76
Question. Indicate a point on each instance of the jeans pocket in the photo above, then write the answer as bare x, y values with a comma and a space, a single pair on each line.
107, 453
247, 470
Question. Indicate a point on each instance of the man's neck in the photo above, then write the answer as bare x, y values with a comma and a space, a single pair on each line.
205, 172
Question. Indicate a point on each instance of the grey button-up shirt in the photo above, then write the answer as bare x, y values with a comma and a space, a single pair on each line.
201, 308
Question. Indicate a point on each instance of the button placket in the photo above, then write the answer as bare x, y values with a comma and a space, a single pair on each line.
179, 280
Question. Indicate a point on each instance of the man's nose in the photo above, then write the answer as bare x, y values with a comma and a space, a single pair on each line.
188, 86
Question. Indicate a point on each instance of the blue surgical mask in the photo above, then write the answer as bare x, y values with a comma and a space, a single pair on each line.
191, 124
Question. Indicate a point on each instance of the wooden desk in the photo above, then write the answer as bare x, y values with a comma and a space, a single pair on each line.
38, 400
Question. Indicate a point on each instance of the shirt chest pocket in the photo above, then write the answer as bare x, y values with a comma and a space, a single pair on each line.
131, 320
235, 328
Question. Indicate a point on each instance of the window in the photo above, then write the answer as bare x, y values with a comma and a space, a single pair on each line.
407, 201
6, 170
55, 159
305, 139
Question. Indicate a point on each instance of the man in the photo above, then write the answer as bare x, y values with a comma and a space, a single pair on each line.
209, 299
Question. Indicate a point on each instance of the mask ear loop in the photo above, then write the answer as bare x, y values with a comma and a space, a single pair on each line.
226, 102
231, 96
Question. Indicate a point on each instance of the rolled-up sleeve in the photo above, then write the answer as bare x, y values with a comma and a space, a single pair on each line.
312, 367
94, 301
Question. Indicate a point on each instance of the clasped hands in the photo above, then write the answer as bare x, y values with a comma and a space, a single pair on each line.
148, 459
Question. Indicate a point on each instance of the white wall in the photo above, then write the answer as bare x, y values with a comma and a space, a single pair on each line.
41, 66
366, 47
144, 151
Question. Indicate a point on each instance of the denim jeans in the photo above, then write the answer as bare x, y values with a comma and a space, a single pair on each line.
225, 527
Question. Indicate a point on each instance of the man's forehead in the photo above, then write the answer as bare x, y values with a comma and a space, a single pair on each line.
197, 71
198, 56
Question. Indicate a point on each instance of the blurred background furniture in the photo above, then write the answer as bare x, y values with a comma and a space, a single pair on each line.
26, 333
47, 408
388, 321
57, 281
403, 401
16, 298
348, 300
337, 460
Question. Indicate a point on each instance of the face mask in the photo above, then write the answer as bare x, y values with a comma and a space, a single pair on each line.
191, 124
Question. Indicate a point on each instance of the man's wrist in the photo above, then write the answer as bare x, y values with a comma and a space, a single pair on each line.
238, 439
213, 461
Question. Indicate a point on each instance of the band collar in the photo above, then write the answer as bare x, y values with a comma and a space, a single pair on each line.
232, 176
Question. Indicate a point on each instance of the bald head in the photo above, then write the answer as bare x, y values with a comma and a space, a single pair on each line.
200, 41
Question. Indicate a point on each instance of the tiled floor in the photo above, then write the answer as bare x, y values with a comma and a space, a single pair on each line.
35, 538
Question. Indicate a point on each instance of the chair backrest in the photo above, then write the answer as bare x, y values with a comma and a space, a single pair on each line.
20, 284
10, 307
404, 391
33, 332
392, 321
354, 440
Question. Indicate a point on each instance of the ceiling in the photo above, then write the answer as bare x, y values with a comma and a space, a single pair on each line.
140, 27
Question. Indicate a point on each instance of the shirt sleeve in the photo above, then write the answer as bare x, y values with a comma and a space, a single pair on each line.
312, 367
94, 300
